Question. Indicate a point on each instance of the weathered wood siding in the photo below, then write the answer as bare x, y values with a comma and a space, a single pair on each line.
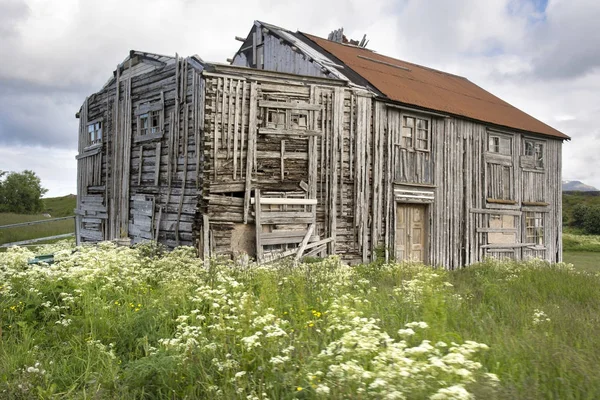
323, 165
149, 180
269, 52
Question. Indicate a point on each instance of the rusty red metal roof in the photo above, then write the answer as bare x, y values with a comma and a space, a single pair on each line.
428, 88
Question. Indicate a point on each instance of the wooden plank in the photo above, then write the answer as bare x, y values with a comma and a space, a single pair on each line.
158, 220
43, 239
496, 230
304, 243
250, 153
500, 201
319, 243
494, 211
277, 154
507, 246
282, 220
289, 105
258, 220
205, 239
227, 187
157, 164
235, 128
290, 215
35, 222
285, 201
286, 240
288, 132
140, 165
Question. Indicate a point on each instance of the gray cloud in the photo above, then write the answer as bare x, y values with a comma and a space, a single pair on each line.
11, 13
569, 40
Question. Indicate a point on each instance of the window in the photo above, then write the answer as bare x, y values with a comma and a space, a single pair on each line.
285, 119
149, 123
534, 227
150, 120
95, 132
415, 133
502, 229
535, 151
500, 144
276, 119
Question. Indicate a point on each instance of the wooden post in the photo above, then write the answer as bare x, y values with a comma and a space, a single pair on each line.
257, 222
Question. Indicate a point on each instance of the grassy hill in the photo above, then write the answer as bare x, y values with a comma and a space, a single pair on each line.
571, 199
56, 207
60, 206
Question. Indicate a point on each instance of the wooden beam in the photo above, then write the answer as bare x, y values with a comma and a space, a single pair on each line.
35, 222
285, 201
42, 239
304, 243
257, 222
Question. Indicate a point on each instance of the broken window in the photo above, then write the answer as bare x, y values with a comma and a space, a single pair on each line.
534, 228
95, 132
500, 144
276, 119
149, 122
535, 151
285, 119
415, 133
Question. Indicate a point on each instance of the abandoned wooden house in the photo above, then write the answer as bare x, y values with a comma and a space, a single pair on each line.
311, 146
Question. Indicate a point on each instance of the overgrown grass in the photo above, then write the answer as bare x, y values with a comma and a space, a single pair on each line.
56, 206
60, 206
585, 261
579, 243
107, 322
10, 235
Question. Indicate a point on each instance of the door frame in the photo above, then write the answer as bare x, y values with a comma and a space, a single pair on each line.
426, 226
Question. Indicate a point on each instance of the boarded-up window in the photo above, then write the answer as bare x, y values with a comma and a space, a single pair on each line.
502, 229
415, 133
500, 184
534, 227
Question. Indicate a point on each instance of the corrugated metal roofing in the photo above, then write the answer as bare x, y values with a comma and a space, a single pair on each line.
424, 87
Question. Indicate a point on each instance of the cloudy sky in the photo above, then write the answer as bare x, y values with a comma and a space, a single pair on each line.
541, 56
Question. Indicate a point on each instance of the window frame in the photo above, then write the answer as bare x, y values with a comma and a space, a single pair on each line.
539, 227
96, 135
146, 113
500, 138
501, 155
531, 161
415, 130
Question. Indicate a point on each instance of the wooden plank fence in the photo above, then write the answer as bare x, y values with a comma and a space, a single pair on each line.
37, 240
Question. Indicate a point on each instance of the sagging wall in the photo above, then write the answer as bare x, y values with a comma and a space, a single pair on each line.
140, 179
306, 139
220, 140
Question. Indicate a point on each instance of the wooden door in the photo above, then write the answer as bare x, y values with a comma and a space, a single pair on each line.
411, 235
141, 224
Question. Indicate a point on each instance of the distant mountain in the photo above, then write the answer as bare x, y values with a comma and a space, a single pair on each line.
577, 186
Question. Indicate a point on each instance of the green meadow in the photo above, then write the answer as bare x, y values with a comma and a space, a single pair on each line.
108, 322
